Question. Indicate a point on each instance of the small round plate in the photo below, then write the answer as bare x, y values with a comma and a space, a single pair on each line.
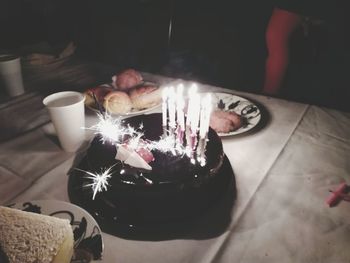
88, 243
247, 109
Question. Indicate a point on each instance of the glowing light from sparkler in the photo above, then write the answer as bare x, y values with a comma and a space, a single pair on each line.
99, 180
136, 142
112, 129
165, 144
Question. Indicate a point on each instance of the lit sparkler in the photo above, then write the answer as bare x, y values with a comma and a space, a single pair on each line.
136, 142
112, 129
99, 180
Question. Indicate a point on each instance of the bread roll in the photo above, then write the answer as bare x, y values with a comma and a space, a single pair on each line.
100, 93
127, 79
145, 97
117, 102
89, 99
28, 237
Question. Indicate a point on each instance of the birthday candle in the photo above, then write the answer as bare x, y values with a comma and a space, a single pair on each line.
180, 107
191, 93
208, 114
202, 118
171, 107
164, 106
205, 116
195, 113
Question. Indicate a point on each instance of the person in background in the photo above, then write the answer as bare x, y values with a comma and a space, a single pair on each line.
304, 15
280, 27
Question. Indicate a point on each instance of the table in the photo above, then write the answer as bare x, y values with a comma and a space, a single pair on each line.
283, 172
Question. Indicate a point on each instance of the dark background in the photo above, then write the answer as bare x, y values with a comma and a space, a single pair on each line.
217, 42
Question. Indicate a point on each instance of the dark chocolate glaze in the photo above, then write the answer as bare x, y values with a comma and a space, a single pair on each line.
174, 188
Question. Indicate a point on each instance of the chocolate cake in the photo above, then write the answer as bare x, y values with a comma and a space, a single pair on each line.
175, 189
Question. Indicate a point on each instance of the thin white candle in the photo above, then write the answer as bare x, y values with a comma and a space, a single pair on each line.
195, 113
205, 116
165, 106
208, 113
202, 119
171, 107
180, 104
191, 93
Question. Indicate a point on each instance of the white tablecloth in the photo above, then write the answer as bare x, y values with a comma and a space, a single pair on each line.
283, 172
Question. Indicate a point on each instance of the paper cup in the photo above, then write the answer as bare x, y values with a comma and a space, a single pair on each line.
11, 74
67, 114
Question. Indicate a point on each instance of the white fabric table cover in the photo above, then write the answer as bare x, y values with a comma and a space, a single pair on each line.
283, 173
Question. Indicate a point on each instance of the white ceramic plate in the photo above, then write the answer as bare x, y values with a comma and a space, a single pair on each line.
88, 243
248, 110
133, 111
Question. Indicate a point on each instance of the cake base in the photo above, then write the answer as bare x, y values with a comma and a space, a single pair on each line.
215, 216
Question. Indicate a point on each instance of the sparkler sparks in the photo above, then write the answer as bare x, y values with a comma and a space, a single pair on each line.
165, 144
112, 129
136, 142
99, 180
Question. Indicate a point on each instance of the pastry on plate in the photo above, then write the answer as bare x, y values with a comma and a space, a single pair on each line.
127, 79
28, 237
117, 102
145, 97
100, 93
225, 121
